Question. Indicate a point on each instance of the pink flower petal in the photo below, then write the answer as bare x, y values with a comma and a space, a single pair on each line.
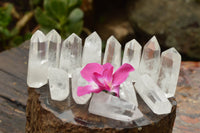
98, 79
89, 69
107, 66
121, 74
83, 90
107, 74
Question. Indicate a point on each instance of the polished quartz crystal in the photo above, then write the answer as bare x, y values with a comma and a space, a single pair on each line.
58, 84
150, 60
38, 60
77, 80
132, 55
71, 54
92, 49
54, 43
110, 106
169, 71
113, 53
127, 92
152, 95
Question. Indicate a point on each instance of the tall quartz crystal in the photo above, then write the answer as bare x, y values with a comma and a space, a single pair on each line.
58, 84
54, 43
38, 60
169, 71
151, 59
106, 105
113, 53
132, 55
77, 80
92, 49
153, 96
71, 52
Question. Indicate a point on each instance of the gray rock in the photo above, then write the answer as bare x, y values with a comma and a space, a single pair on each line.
175, 22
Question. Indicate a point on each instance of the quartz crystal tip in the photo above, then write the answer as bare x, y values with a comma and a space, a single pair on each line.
38, 36
153, 44
54, 36
92, 49
113, 39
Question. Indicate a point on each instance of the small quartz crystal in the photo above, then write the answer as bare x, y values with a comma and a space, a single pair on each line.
169, 71
113, 53
107, 105
38, 60
78, 80
92, 49
58, 84
132, 55
152, 95
71, 52
150, 60
54, 43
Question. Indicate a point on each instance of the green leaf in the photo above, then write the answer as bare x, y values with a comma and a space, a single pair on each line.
76, 15
57, 9
5, 15
73, 3
75, 27
44, 20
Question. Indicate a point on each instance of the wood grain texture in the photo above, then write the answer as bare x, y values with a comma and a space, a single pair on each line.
13, 89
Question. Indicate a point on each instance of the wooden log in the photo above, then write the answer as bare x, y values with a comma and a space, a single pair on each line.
47, 116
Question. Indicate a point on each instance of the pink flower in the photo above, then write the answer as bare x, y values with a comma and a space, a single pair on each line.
101, 77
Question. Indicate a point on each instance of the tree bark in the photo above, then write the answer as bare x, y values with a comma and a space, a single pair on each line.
47, 116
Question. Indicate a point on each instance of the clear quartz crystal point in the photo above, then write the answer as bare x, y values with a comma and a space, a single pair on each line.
78, 80
107, 105
151, 59
113, 53
92, 49
169, 71
38, 60
71, 52
127, 92
58, 84
152, 95
132, 55
54, 43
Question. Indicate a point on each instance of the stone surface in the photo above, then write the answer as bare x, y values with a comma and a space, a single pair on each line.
150, 60
109, 106
175, 22
38, 60
153, 96
169, 71
71, 54
78, 80
92, 50
58, 84
113, 52
132, 55
54, 46
127, 92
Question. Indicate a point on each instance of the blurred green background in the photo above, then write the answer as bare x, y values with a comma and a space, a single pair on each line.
176, 23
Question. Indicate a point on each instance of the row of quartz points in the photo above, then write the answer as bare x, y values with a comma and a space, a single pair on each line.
155, 77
